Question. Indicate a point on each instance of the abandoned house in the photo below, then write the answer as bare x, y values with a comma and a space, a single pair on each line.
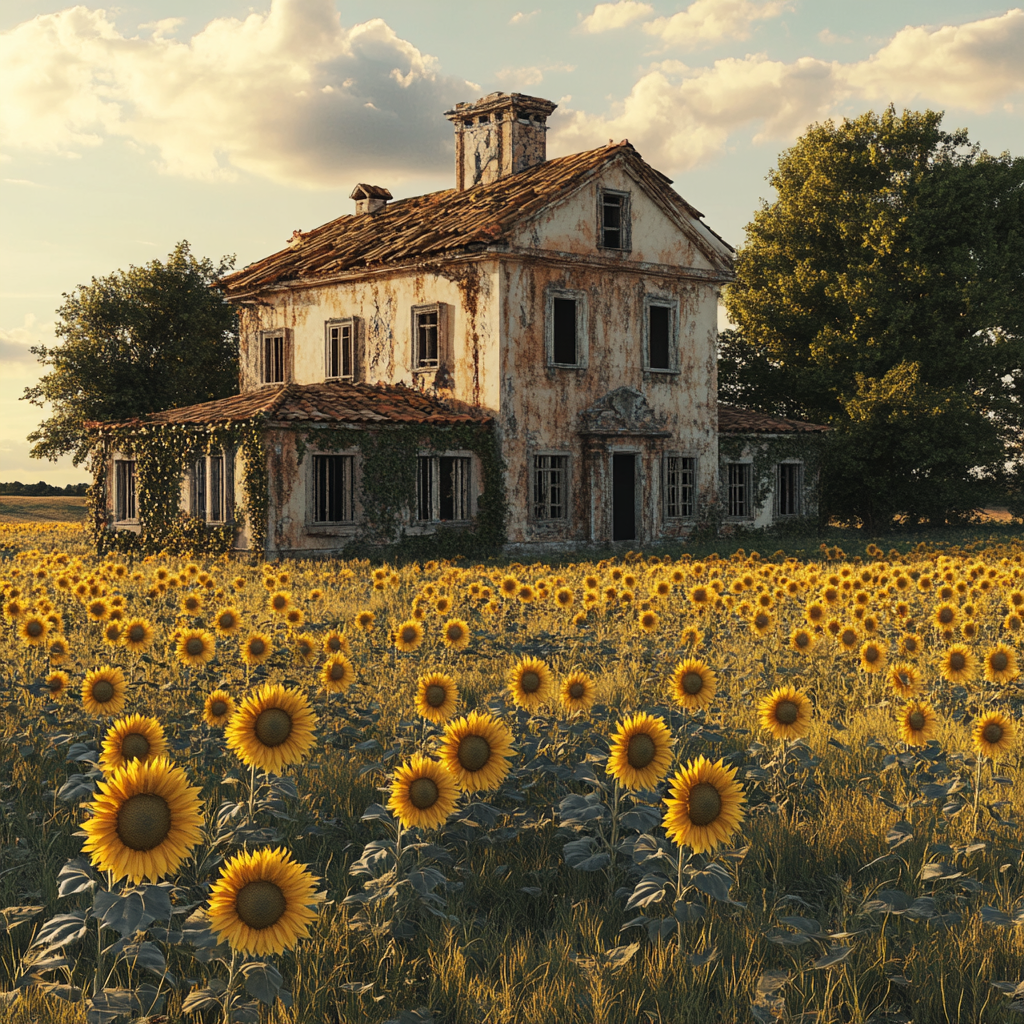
559, 314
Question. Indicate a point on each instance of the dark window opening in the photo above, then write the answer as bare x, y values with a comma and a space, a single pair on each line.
333, 489
426, 339
199, 489
680, 486
788, 490
124, 490
273, 359
549, 487
425, 489
739, 490
217, 488
563, 332
659, 320
624, 497
340, 359
442, 488
611, 221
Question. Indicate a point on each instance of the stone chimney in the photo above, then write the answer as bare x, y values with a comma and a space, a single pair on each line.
370, 198
499, 135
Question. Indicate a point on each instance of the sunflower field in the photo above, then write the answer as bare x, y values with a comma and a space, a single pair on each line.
642, 789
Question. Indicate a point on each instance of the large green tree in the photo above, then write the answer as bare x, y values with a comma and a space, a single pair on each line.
136, 341
881, 293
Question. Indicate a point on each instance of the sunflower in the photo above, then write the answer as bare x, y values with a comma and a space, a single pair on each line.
917, 723
564, 597
945, 616
103, 691
33, 629
903, 679
693, 684
145, 820
1013, 623
437, 697
423, 793
59, 651
508, 587
705, 805
135, 738
802, 641
1000, 665
337, 675
648, 621
442, 605
691, 636
196, 647
218, 708
271, 728
57, 683
295, 617
910, 645
641, 751
98, 610
408, 636
957, 664
814, 613
994, 734
262, 903
307, 649
786, 713
112, 633
530, 683
456, 634
577, 692
475, 749
192, 604
227, 621
873, 657
336, 643
279, 602
256, 649
848, 637
761, 622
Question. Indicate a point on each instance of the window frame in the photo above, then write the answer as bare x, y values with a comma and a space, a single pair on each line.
339, 324
132, 479
338, 527
625, 220
433, 460
567, 468
441, 309
672, 304
226, 489
582, 327
799, 489
285, 334
694, 470
747, 466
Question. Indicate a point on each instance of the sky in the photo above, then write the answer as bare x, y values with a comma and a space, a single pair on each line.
126, 129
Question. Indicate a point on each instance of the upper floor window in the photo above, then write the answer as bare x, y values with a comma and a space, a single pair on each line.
680, 486
566, 327
334, 493
739, 501
339, 349
660, 348
788, 488
613, 219
550, 487
274, 357
125, 508
443, 488
429, 336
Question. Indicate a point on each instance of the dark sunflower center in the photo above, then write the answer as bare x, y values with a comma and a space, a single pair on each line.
454, 632
992, 733
334, 644
257, 647
226, 621
133, 746
55, 685
260, 904
903, 678
194, 646
946, 616
872, 654
692, 683
640, 750
530, 682
435, 695
761, 620
916, 720
136, 634
999, 661
423, 793
474, 752
273, 727
279, 603
34, 628
849, 637
786, 712
144, 821
337, 672
911, 646
802, 639
408, 635
218, 708
957, 661
102, 691
705, 803
576, 691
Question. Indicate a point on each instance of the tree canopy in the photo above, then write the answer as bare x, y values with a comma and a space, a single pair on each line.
136, 341
881, 294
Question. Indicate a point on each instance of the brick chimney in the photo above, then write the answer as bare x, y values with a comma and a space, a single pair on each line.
499, 135
370, 198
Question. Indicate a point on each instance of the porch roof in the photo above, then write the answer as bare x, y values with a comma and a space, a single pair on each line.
734, 419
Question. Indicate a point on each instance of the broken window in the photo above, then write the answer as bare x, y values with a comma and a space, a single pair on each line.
680, 486
124, 490
274, 370
339, 352
613, 210
788, 486
443, 488
334, 489
739, 503
550, 486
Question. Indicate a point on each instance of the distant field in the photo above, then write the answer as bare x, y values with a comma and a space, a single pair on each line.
17, 509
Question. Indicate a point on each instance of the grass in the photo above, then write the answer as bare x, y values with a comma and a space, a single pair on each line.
525, 937
59, 509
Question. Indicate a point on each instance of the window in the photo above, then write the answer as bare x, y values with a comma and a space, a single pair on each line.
124, 490
550, 481
442, 488
334, 489
429, 336
613, 219
788, 486
216, 488
274, 355
565, 321
339, 350
739, 497
660, 334
208, 489
680, 486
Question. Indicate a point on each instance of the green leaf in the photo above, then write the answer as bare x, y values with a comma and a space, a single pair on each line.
262, 981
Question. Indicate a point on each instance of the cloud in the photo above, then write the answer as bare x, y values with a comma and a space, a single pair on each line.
291, 95
828, 37
16, 341
531, 75
606, 17
679, 116
706, 22
519, 17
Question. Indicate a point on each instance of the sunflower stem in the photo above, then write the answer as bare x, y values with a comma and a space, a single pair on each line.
680, 864
229, 992
614, 838
252, 790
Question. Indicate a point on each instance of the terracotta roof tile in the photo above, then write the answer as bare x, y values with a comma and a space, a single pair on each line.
732, 419
439, 223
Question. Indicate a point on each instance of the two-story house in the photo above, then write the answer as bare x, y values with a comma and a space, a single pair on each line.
565, 308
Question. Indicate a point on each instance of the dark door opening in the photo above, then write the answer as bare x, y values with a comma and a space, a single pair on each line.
623, 497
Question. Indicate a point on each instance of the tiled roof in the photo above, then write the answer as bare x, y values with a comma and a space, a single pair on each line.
732, 419
441, 223
330, 402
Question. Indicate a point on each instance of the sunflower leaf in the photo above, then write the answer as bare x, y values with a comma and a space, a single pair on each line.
60, 931
995, 917
703, 959
836, 956
650, 889
715, 882
686, 912
76, 876
11, 917
262, 981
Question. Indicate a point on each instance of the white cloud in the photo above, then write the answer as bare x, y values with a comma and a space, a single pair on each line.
290, 95
606, 17
15, 357
516, 77
678, 116
829, 38
706, 22
520, 17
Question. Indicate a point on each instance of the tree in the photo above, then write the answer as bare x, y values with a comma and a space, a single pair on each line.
149, 338
881, 294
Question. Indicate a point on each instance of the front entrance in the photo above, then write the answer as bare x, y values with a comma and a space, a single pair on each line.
624, 497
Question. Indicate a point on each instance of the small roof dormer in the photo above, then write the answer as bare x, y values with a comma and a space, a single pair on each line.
370, 198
